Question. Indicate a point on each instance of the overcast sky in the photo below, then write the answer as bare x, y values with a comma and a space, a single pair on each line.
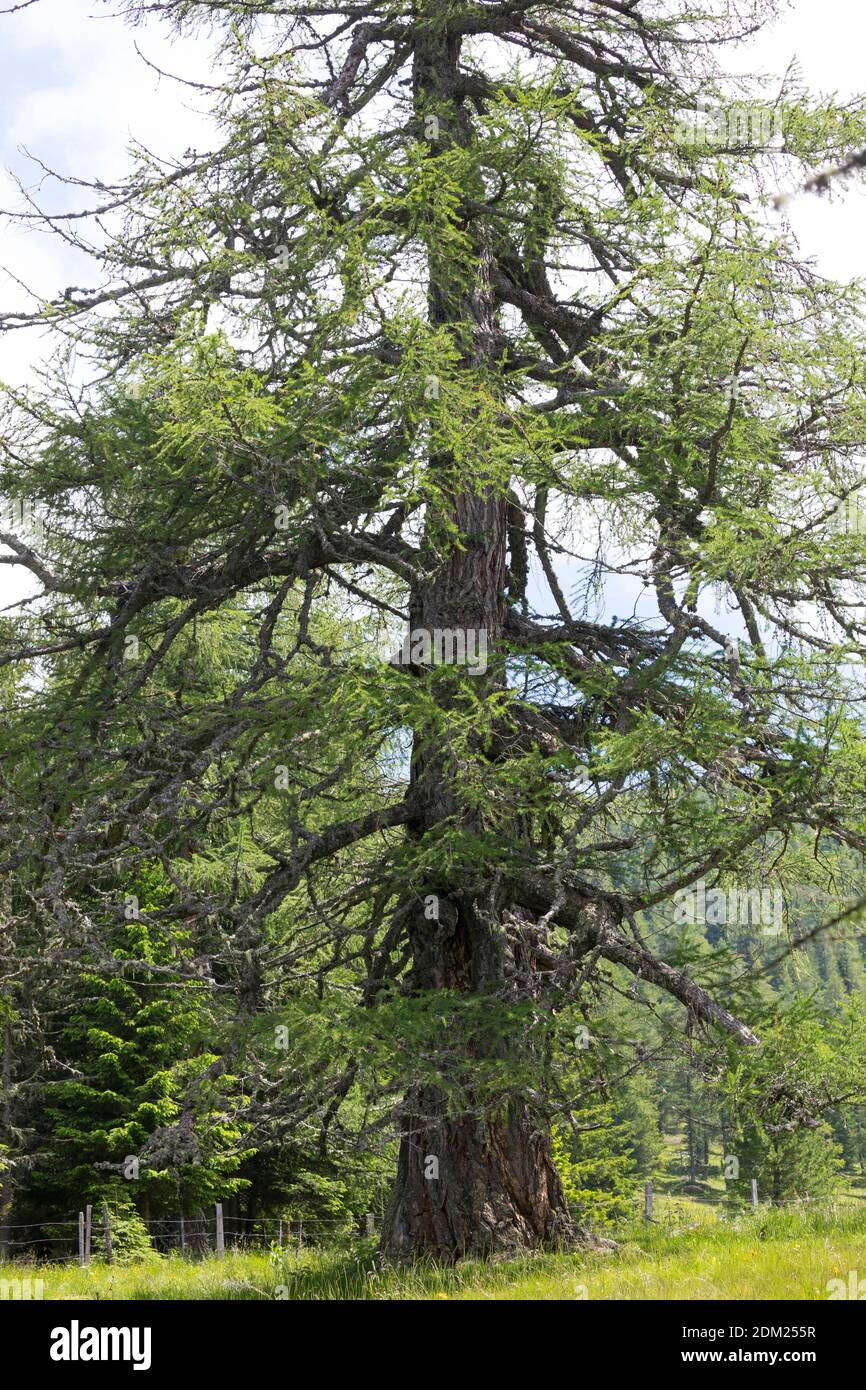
74, 93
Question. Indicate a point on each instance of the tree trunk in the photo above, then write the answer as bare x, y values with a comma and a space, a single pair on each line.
6, 1183
690, 1130
473, 1187
473, 1183
478, 1182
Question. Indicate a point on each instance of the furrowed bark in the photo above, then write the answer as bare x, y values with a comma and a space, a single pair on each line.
471, 1183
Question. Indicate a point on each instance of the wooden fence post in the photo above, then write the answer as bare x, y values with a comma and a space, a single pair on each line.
220, 1232
106, 1231
182, 1235
88, 1231
81, 1259
371, 1224
648, 1202
280, 1236
754, 1192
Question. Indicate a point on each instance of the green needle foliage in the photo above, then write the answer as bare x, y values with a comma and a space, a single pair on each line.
475, 329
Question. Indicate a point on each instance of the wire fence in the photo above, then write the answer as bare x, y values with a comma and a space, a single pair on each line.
673, 1202
102, 1233
193, 1237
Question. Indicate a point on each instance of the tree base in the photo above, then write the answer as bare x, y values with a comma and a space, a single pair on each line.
466, 1189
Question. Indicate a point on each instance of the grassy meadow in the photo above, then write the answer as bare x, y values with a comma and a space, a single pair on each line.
692, 1251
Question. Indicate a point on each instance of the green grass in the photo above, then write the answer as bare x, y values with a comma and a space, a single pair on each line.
692, 1253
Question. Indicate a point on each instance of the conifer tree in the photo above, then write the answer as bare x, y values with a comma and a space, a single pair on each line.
473, 316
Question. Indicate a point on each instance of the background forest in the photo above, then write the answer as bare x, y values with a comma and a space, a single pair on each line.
99, 1066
